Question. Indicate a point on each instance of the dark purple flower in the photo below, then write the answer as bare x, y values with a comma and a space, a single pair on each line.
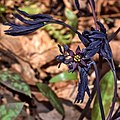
76, 62
34, 22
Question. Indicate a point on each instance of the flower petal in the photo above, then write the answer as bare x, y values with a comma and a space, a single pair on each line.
84, 40
72, 66
17, 30
66, 48
91, 53
78, 51
83, 86
71, 53
83, 62
98, 35
105, 51
67, 61
102, 28
60, 48
94, 44
60, 58
30, 22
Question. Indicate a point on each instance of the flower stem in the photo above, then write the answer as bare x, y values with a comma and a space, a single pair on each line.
94, 15
84, 112
98, 76
97, 72
111, 63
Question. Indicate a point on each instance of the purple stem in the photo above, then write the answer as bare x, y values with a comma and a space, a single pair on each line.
85, 110
99, 69
94, 15
98, 91
111, 64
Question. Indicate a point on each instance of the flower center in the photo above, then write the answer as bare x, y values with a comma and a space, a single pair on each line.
77, 58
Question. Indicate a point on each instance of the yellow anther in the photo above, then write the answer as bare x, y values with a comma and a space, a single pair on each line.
77, 58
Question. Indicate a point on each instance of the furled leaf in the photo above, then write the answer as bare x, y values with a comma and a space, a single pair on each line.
64, 76
52, 97
15, 82
10, 111
107, 91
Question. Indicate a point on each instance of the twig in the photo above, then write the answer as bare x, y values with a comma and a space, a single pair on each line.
101, 16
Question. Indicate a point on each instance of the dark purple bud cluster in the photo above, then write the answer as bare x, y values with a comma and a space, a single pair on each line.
33, 23
36, 21
97, 42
